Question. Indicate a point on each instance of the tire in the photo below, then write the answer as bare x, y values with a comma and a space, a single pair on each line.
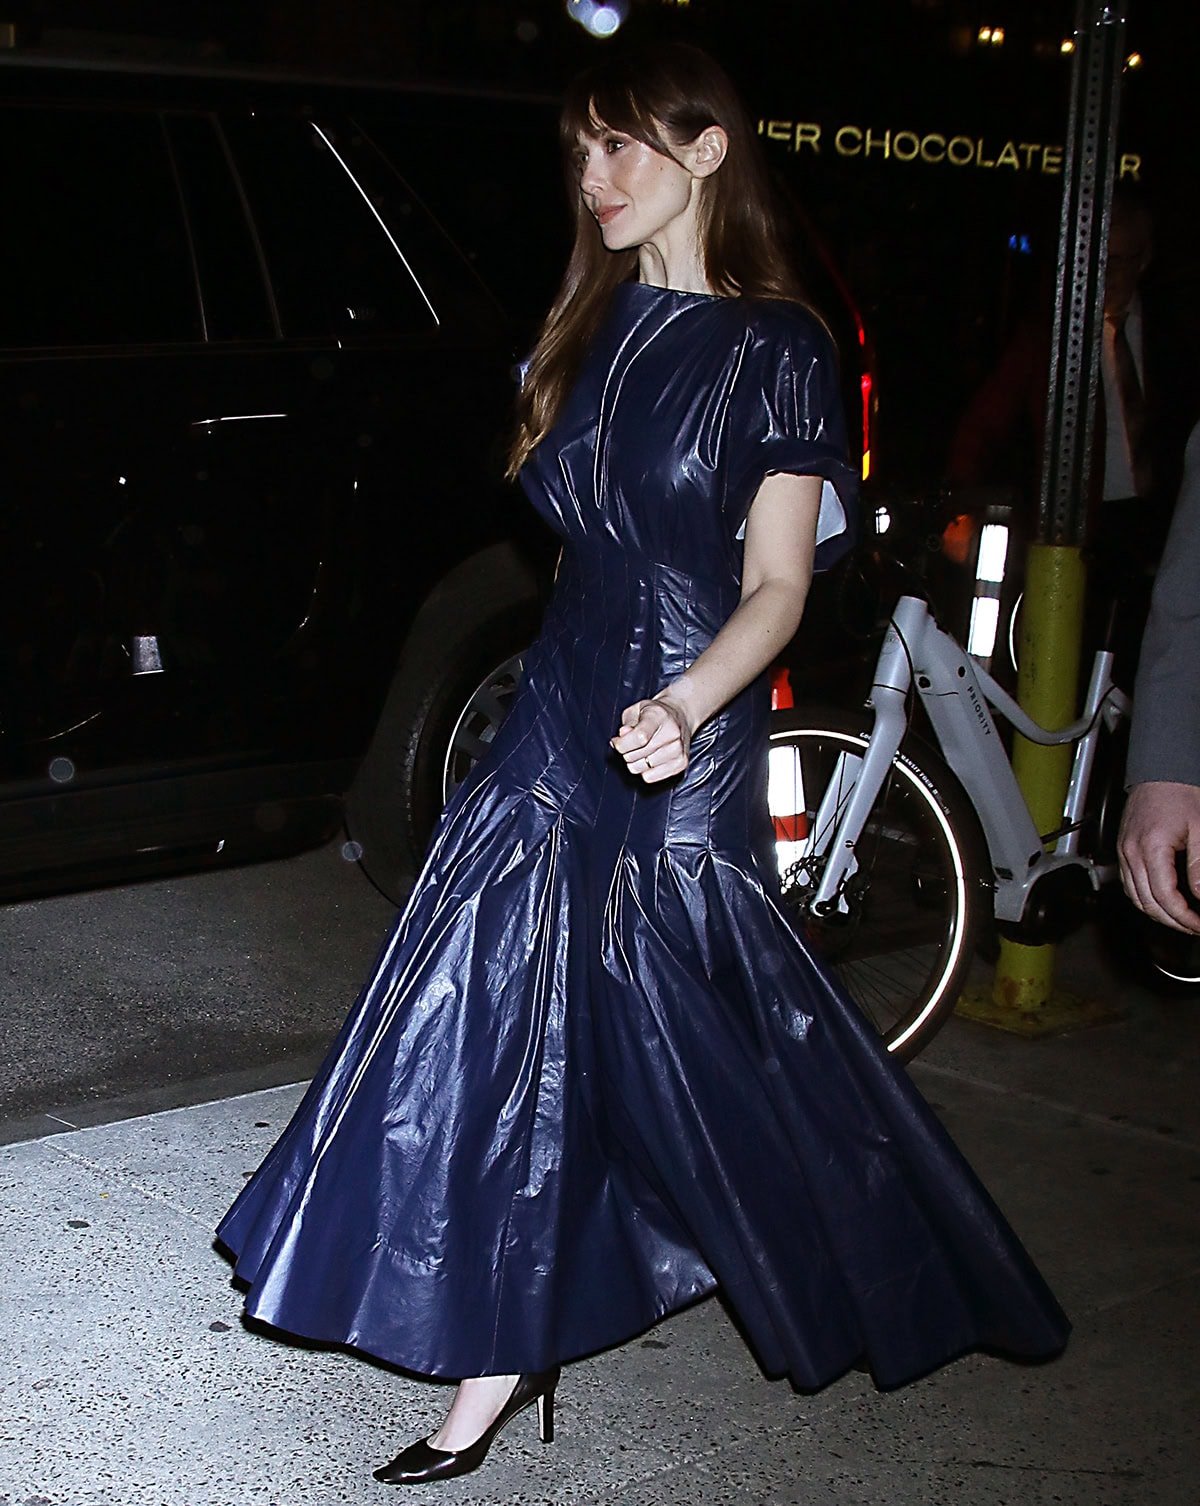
449, 660
922, 890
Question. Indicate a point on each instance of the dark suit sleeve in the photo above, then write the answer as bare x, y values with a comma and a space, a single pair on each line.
1164, 741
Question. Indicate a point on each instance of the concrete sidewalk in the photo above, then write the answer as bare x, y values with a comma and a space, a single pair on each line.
127, 1377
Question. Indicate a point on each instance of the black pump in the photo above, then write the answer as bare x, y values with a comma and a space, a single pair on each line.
420, 1461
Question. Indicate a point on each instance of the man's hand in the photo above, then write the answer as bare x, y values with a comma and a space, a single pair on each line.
1160, 820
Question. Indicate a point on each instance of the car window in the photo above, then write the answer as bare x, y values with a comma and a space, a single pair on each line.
489, 170
234, 292
94, 249
336, 268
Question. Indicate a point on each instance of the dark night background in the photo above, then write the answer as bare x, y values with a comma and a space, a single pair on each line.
940, 262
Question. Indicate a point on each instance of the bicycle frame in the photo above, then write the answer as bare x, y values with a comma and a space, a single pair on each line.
957, 694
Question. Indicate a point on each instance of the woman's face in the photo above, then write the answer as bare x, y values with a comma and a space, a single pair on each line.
634, 192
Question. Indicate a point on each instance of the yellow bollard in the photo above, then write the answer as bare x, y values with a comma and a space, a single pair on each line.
1022, 997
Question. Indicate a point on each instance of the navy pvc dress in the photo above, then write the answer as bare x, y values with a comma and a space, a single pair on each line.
595, 1075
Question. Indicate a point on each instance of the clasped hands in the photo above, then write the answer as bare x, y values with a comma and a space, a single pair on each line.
655, 738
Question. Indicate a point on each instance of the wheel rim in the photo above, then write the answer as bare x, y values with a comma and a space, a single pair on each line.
899, 950
480, 719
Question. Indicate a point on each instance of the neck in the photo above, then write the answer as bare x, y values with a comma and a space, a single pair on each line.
672, 258
684, 275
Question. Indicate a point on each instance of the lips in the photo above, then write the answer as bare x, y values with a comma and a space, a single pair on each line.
604, 215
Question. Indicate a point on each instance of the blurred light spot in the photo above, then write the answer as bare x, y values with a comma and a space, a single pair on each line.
598, 20
1067, 46
957, 536
62, 770
352, 851
1134, 60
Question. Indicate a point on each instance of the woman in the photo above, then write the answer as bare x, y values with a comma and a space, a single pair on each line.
595, 1075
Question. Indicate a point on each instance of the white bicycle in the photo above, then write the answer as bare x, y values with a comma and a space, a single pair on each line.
890, 862
891, 857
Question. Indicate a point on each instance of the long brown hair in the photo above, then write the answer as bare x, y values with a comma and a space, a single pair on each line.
664, 96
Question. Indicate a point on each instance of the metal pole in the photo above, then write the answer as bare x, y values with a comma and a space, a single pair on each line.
1082, 248
1023, 996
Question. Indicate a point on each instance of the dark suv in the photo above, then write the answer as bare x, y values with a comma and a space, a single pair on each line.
253, 404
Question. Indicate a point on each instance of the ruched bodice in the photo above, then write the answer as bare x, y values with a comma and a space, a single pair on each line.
594, 1073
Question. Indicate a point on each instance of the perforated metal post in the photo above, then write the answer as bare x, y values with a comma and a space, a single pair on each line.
1082, 247
1023, 997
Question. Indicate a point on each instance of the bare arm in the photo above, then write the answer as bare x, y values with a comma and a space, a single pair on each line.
655, 735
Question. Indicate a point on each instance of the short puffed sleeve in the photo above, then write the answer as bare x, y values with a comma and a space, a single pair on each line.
787, 417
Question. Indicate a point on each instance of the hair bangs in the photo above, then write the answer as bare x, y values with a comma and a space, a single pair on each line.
607, 102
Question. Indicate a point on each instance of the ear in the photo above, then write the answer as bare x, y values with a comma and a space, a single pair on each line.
708, 150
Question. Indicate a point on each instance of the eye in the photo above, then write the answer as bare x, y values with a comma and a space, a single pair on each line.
613, 144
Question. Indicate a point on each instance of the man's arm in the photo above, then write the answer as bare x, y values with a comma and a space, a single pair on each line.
1162, 814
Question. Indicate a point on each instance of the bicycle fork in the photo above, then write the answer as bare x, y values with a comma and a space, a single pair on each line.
857, 781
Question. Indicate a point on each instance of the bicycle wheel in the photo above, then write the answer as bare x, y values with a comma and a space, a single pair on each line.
916, 902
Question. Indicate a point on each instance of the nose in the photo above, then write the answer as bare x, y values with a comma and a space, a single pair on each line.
592, 179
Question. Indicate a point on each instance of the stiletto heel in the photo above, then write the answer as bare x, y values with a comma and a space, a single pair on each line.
420, 1461
545, 1411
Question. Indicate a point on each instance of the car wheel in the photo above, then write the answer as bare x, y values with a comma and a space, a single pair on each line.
479, 720
456, 681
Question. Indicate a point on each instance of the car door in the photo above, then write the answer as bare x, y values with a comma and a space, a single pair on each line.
211, 339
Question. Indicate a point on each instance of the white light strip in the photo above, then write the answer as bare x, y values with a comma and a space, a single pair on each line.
376, 213
985, 618
785, 782
993, 552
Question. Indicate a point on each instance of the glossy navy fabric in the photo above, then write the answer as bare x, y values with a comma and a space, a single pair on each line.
595, 1075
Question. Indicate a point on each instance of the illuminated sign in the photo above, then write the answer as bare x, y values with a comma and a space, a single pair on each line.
935, 148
